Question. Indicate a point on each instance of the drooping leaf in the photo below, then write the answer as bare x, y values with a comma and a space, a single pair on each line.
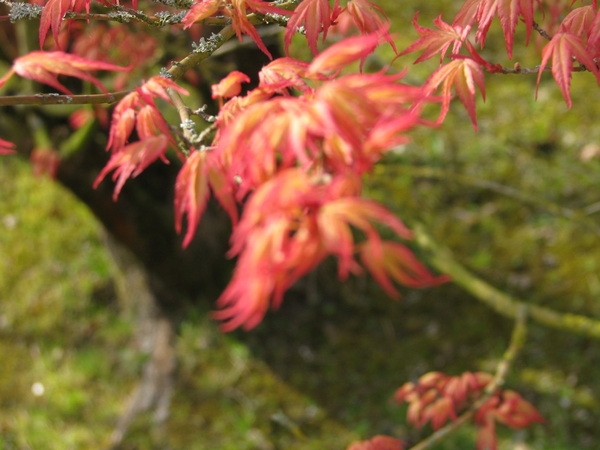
45, 67
561, 49
464, 74
315, 16
132, 159
53, 14
241, 24
369, 18
191, 194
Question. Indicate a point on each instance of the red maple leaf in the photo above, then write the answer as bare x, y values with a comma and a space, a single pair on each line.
53, 14
191, 193
369, 18
230, 86
579, 21
483, 11
435, 41
200, 11
133, 159
464, 74
45, 67
241, 24
561, 49
341, 54
316, 17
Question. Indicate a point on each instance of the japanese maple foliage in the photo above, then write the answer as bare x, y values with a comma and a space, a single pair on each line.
285, 158
437, 398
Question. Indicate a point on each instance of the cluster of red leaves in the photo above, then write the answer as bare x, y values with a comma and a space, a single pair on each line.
295, 162
437, 397
138, 110
577, 39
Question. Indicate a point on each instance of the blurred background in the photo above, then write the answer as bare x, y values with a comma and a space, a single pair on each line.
319, 373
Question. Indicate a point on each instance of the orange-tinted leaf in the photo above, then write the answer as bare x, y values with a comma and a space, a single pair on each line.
123, 121
201, 10
284, 73
230, 86
390, 259
191, 194
156, 87
131, 160
439, 412
345, 52
561, 49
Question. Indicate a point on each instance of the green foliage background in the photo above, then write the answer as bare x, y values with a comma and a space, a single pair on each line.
328, 382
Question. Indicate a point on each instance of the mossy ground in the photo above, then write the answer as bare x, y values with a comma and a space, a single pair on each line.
319, 373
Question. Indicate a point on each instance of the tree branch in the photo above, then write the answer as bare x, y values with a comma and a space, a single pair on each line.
59, 99
504, 304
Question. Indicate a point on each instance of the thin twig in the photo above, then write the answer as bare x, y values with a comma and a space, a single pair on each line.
542, 32
59, 99
504, 304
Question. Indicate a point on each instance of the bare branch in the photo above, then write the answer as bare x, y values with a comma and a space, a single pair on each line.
501, 302
59, 99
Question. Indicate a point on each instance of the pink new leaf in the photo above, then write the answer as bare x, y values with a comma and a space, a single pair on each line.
191, 194
561, 49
